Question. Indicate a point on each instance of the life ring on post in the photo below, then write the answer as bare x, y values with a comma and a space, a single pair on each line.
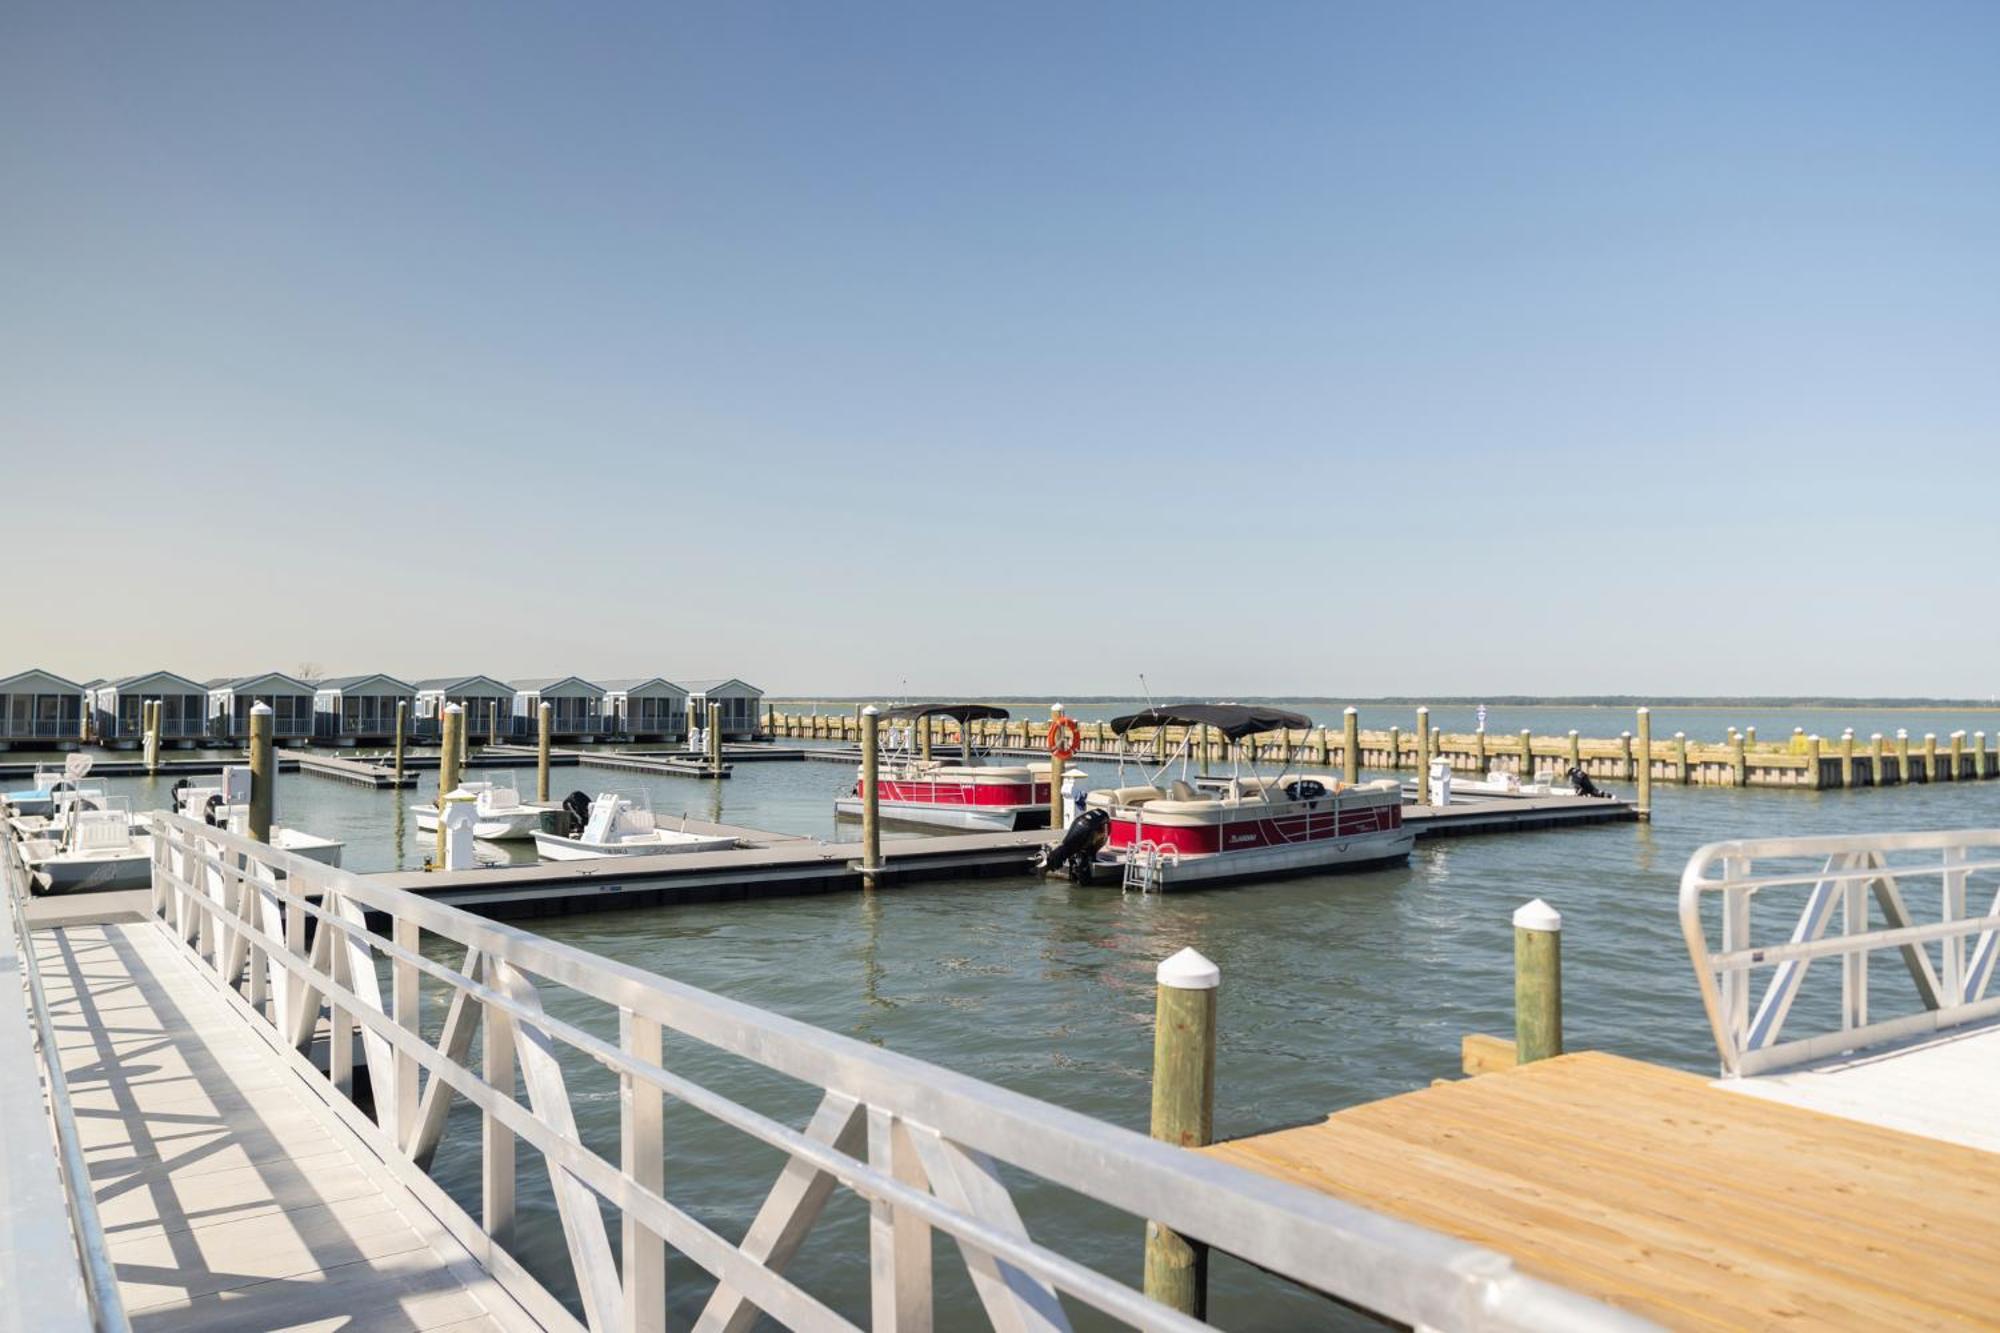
1065, 737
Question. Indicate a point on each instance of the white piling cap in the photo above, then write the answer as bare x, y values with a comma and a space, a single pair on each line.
1056, 709
1680, 735
260, 707
453, 708
1645, 712
1876, 736
1537, 915
871, 711
1188, 970
1350, 709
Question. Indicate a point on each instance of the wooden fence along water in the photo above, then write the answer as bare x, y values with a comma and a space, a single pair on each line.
1740, 760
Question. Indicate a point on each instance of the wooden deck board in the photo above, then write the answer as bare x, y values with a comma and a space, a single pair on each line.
230, 1197
1660, 1193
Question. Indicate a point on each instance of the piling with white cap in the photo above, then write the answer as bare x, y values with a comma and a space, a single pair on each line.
1957, 768
1575, 749
544, 728
1537, 982
1879, 759
871, 828
263, 773
1183, 1113
450, 763
1681, 757
1847, 758
1527, 756
1350, 745
715, 735
402, 716
1930, 757
150, 715
1739, 765
1056, 766
492, 721
1815, 777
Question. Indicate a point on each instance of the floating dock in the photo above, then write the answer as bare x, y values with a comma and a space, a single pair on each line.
1694, 1203
359, 772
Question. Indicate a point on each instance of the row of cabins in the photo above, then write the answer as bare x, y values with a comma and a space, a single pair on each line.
38, 708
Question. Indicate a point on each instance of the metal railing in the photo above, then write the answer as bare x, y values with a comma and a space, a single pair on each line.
39, 1297
1860, 876
922, 1146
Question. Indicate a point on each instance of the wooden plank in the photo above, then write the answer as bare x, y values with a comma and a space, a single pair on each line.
1479, 1053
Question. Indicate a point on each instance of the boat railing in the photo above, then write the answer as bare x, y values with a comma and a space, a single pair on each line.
927, 1151
55, 1268
1931, 899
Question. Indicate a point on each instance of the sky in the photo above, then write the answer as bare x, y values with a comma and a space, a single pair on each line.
1281, 348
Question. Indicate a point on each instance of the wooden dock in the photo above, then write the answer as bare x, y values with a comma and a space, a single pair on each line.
359, 772
231, 1195
1674, 1197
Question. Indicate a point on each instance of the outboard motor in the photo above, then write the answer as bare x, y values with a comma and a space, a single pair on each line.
1079, 846
211, 811
1580, 781
576, 813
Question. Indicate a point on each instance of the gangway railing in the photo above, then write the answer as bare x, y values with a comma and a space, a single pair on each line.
56, 1273
303, 948
1869, 883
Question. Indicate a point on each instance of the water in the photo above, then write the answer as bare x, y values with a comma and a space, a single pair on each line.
1336, 990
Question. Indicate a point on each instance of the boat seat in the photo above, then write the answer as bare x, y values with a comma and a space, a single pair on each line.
1126, 796
1183, 790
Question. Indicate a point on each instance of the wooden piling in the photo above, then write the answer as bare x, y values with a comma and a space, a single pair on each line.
1350, 745
924, 738
1395, 747
1423, 756
1980, 768
1879, 759
1681, 757
1479, 753
1183, 1114
1903, 773
1957, 756
1847, 759
451, 734
871, 824
1527, 756
1815, 778
149, 712
1320, 756
1575, 750
544, 726
1739, 768
715, 734
1537, 982
402, 721
1056, 766
492, 721
1930, 757
1645, 774
263, 773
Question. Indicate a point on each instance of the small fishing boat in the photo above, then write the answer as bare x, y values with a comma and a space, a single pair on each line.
227, 806
966, 793
89, 850
1204, 830
501, 815
56, 789
614, 825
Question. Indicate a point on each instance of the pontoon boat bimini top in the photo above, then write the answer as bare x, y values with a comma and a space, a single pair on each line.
957, 712
1232, 720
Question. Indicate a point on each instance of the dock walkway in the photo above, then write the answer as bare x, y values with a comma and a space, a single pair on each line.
232, 1197
1665, 1194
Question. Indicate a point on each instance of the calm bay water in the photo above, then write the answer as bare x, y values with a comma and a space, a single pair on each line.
1337, 990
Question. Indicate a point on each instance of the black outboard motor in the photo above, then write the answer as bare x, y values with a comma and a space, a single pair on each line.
211, 811
1079, 846
1580, 780
576, 814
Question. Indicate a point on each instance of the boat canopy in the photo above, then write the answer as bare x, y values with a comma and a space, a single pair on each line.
957, 712
1232, 720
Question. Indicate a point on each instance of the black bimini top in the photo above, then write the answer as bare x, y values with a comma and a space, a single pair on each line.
1232, 720
957, 712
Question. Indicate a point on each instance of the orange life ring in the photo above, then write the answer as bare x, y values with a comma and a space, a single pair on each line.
1064, 737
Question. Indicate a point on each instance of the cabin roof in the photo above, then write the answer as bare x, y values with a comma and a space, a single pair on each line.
718, 686
550, 684
146, 678
240, 683
346, 683
629, 685
53, 682
464, 685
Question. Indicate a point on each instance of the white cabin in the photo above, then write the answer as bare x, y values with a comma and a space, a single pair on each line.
352, 710
482, 697
117, 708
576, 707
646, 708
741, 705
230, 699
40, 709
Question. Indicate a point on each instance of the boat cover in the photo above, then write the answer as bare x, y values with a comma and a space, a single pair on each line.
1232, 720
958, 712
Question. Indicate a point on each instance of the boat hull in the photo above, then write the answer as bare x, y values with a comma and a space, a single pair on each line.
90, 872
1322, 856
970, 818
508, 826
554, 847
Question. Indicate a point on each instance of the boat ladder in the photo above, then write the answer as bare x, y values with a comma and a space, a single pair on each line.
1143, 864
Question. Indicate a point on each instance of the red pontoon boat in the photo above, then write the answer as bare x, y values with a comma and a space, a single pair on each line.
967, 793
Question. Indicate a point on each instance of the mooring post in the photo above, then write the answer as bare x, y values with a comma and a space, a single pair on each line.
924, 738
402, 718
1903, 773
1395, 747
1645, 773
1626, 761
1056, 766
1350, 745
715, 735
492, 721
1575, 749
545, 717
1979, 754
1930, 757
1814, 777
1183, 1114
1957, 755
1750, 737
1681, 758
1479, 751
1739, 764
1527, 756
149, 711
871, 828
263, 773
1423, 756
450, 761
1847, 759
1538, 997
1878, 760
464, 737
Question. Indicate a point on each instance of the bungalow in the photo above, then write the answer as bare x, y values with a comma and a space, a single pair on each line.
230, 699
482, 697
646, 708
118, 706
40, 709
739, 706
575, 707
352, 710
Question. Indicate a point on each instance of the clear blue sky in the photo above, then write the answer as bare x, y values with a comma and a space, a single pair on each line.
1274, 348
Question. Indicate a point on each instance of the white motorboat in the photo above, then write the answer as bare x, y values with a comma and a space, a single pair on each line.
1243, 826
966, 793
620, 826
55, 790
227, 806
1496, 783
500, 814
90, 850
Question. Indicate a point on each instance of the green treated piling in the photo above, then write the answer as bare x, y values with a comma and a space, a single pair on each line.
1183, 1114
1350, 745
1537, 982
263, 773
1423, 756
544, 726
1645, 774
402, 720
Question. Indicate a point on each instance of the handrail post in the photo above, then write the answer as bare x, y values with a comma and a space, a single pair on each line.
1537, 982
1183, 1114
642, 1153
871, 797
544, 725
406, 999
496, 1178
263, 773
